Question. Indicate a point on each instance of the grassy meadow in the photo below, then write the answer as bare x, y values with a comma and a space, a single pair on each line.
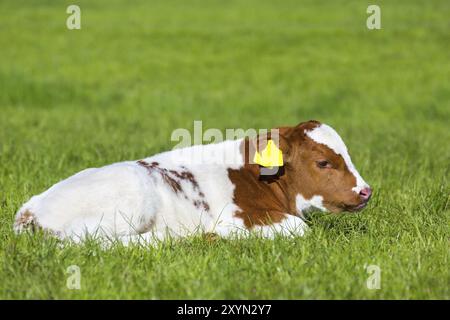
116, 89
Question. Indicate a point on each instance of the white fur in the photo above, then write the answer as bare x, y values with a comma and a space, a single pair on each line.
291, 225
326, 135
304, 205
125, 199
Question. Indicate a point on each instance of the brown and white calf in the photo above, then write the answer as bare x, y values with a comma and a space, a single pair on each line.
169, 194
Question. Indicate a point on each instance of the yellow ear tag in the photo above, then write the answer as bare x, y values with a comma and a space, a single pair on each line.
270, 157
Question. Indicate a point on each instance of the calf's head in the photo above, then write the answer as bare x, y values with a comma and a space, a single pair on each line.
319, 170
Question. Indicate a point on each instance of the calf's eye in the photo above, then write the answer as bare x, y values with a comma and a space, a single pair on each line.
323, 164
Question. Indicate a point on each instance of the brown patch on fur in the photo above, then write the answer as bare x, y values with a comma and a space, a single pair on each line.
261, 203
165, 174
173, 179
267, 201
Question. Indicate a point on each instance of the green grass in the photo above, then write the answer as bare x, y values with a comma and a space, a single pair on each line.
116, 89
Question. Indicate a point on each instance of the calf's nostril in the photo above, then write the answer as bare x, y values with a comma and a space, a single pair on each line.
365, 193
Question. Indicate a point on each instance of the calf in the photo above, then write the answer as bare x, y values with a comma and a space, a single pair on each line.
169, 194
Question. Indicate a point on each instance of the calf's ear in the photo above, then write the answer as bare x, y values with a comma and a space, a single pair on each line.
270, 152
270, 149
306, 126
